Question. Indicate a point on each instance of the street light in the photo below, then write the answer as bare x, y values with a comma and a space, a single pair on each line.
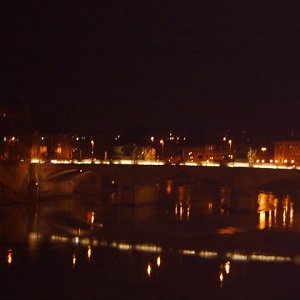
263, 149
92, 152
162, 147
230, 148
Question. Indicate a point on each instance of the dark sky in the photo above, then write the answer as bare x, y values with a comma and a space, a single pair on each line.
175, 65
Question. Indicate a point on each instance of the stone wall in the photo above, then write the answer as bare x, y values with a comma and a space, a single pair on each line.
14, 181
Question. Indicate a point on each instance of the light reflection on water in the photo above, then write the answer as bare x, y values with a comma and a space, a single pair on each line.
169, 187
183, 202
171, 241
193, 199
275, 212
9, 256
149, 270
89, 252
224, 272
74, 259
221, 262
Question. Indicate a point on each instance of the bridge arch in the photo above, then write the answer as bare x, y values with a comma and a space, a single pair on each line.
62, 174
282, 185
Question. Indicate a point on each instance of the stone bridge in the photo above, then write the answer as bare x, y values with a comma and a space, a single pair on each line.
243, 183
243, 179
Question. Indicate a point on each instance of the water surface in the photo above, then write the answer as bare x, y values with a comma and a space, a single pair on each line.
187, 245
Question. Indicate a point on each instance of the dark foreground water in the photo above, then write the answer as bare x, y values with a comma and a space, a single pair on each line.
185, 246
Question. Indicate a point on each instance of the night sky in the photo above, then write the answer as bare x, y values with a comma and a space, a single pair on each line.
186, 66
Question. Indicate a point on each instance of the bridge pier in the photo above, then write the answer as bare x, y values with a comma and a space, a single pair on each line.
243, 202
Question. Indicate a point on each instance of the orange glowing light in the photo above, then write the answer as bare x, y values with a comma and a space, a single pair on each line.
227, 267
158, 261
9, 256
73, 260
262, 220
149, 269
89, 252
169, 187
221, 278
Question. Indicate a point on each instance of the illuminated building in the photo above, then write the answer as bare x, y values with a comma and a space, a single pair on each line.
287, 152
46, 147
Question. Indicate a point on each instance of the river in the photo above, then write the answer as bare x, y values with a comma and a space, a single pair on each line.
187, 245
